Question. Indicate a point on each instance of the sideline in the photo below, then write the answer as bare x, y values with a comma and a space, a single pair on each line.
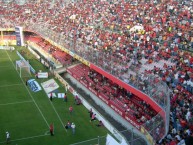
5, 66
10, 85
58, 116
16, 103
25, 138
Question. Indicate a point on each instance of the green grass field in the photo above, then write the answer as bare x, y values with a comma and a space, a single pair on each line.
27, 115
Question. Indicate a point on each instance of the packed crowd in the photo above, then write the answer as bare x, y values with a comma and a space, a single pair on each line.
126, 33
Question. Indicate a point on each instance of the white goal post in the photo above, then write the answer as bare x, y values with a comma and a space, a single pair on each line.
23, 67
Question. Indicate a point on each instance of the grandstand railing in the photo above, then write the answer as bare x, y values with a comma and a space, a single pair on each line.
110, 64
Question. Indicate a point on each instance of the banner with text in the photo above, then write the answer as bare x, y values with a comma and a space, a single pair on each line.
50, 85
41, 75
19, 36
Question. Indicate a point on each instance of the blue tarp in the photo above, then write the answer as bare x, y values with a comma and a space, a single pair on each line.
34, 86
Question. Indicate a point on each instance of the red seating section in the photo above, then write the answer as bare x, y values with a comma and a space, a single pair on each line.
112, 95
57, 53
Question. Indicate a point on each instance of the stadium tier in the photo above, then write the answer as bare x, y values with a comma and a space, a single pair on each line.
138, 55
104, 88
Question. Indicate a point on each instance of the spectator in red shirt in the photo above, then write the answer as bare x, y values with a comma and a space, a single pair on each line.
93, 117
70, 109
51, 129
65, 97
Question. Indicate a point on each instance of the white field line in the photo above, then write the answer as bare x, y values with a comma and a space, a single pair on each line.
58, 116
86, 141
5, 66
47, 132
16, 103
2, 86
26, 138
30, 94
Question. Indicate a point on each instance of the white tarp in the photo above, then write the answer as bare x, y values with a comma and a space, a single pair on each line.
53, 95
50, 85
61, 95
111, 141
42, 75
7, 48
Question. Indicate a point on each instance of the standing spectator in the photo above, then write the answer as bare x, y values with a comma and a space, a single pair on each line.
7, 137
51, 96
36, 75
90, 112
70, 109
68, 125
186, 77
188, 115
65, 97
73, 128
51, 129
77, 100
66, 87
93, 117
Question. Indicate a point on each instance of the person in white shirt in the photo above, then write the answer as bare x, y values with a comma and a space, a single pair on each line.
174, 131
7, 137
169, 136
188, 114
188, 132
191, 86
182, 142
73, 128
176, 78
178, 137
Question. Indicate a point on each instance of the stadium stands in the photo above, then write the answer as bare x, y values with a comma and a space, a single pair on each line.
107, 90
58, 54
129, 41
